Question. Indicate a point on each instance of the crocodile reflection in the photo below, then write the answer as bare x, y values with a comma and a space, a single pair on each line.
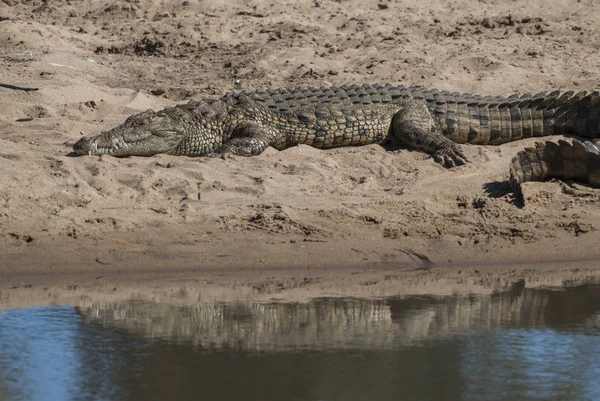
349, 323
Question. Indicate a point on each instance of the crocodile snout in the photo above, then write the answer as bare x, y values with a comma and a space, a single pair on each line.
82, 146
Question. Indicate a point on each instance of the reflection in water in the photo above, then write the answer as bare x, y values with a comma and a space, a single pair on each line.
523, 344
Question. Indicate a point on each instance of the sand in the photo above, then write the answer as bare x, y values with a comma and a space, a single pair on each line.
66, 219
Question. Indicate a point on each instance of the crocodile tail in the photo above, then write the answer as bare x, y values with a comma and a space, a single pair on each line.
578, 161
497, 120
554, 113
569, 113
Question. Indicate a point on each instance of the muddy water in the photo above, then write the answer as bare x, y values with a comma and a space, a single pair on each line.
523, 344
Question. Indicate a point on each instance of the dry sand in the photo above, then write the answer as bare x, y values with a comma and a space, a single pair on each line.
351, 211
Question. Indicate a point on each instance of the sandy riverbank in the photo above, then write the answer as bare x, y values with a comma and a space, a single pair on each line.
95, 63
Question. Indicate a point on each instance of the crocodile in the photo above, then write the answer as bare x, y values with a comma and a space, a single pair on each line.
431, 121
579, 161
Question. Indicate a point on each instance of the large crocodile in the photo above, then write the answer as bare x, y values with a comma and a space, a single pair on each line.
435, 122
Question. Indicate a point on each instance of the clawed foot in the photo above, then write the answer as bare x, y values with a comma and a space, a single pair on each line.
450, 157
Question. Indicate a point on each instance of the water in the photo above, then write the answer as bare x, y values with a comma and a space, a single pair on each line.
520, 345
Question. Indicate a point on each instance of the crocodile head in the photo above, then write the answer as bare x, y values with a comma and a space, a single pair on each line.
144, 134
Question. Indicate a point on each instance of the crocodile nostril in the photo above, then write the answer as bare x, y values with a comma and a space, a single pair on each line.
82, 145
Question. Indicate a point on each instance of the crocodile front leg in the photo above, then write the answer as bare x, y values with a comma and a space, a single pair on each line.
414, 127
250, 139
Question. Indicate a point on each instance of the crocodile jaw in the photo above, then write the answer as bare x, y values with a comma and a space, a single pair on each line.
144, 134
103, 145
115, 145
